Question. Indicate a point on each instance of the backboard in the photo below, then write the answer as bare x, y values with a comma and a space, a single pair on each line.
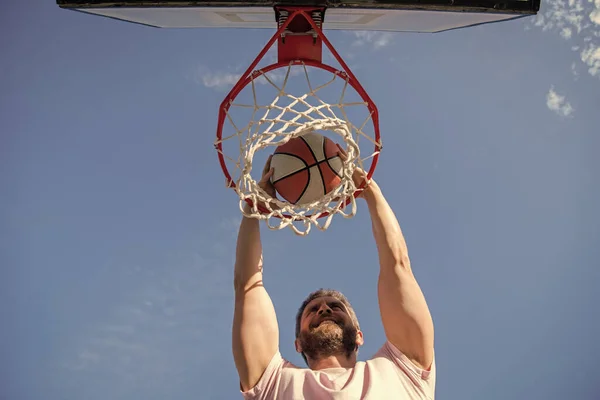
361, 15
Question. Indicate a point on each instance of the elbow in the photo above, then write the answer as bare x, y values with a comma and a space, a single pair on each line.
240, 287
247, 272
399, 261
239, 281
394, 253
403, 262
243, 283
396, 267
237, 284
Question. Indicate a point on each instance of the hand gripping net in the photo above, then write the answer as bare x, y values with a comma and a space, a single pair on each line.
286, 116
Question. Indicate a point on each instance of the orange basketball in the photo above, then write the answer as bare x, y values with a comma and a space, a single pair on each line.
306, 168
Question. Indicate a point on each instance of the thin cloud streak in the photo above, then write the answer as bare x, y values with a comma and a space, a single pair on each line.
215, 79
377, 39
221, 80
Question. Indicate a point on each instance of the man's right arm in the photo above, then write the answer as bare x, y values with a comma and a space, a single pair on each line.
255, 333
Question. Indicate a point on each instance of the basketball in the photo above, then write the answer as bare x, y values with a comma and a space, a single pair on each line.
306, 168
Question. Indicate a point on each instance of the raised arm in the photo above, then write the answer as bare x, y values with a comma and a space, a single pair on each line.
255, 333
406, 318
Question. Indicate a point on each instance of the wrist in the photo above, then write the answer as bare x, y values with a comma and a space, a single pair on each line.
247, 210
371, 191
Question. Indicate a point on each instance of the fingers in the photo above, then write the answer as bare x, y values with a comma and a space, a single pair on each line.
267, 166
267, 175
342, 153
266, 184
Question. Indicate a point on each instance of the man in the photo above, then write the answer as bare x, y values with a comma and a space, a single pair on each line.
327, 331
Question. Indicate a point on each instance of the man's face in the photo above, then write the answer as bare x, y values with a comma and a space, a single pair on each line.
326, 329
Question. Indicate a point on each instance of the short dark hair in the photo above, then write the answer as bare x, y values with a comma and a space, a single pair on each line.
325, 293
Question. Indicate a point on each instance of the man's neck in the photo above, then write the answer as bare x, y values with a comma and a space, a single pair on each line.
334, 361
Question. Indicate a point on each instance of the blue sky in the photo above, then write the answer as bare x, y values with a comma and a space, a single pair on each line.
117, 234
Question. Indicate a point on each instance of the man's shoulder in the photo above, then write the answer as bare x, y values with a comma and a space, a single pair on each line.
390, 367
390, 355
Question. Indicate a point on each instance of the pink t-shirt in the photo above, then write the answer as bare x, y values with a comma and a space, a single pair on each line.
389, 374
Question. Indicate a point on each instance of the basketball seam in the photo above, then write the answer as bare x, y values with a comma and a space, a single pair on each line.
333, 169
310, 149
306, 166
327, 160
317, 163
305, 186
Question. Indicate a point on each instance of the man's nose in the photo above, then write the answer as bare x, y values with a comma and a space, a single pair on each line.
324, 310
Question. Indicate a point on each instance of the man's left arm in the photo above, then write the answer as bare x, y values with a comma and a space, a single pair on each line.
406, 318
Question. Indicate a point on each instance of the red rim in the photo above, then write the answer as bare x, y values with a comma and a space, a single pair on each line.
251, 74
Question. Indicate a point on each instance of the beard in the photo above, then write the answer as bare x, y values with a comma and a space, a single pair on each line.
327, 339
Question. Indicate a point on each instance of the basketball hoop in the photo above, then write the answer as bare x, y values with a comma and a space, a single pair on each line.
274, 121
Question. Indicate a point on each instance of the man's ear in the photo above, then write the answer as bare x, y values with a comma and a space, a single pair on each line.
298, 346
360, 340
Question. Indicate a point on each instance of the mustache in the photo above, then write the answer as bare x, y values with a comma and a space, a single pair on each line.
328, 318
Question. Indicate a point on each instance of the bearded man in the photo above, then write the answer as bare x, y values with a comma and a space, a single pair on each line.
328, 334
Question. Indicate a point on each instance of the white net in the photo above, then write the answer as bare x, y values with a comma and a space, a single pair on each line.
265, 114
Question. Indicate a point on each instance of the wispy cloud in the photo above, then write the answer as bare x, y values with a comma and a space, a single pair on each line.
576, 21
230, 225
215, 79
558, 104
574, 70
590, 55
595, 14
225, 78
221, 80
377, 39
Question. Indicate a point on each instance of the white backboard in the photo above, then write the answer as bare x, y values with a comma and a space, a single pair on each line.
263, 17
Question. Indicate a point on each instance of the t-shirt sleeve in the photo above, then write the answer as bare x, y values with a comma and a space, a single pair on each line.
422, 378
268, 381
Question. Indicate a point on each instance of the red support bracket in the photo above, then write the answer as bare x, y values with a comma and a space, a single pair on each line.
299, 40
